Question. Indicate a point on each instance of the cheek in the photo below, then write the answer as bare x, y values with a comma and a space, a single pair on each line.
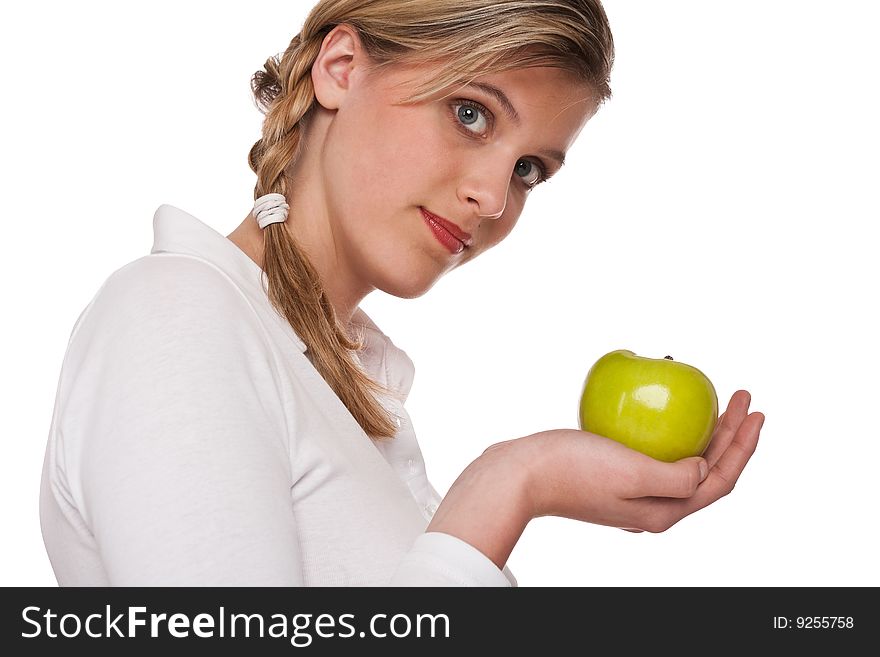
503, 228
392, 152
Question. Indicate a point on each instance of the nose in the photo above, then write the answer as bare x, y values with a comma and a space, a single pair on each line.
484, 190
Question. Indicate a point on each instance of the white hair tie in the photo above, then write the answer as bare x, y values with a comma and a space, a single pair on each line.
270, 209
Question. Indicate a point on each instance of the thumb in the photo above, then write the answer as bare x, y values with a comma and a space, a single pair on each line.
677, 479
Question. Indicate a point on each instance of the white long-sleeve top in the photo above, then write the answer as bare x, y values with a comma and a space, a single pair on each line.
193, 443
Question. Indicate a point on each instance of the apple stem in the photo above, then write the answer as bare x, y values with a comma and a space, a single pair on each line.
668, 358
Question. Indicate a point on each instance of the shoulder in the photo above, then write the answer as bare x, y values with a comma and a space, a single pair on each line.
166, 295
171, 277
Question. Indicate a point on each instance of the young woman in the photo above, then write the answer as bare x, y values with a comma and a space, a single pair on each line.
227, 414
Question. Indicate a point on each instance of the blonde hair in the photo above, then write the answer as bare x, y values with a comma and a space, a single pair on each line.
466, 38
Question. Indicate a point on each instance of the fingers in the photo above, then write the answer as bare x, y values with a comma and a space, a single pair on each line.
735, 440
728, 423
730, 465
679, 479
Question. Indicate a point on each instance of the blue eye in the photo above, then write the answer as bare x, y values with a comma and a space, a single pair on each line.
529, 171
472, 118
467, 115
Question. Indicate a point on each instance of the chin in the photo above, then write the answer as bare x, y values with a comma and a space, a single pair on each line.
404, 291
407, 287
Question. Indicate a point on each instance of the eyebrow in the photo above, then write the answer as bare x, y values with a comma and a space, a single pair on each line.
553, 154
501, 97
511, 112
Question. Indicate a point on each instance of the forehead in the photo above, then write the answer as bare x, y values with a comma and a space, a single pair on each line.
529, 84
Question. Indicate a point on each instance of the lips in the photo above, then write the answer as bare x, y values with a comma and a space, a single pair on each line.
462, 236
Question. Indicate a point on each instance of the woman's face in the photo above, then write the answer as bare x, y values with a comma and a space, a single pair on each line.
472, 158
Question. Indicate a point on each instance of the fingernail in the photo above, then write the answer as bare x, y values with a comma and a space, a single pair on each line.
704, 469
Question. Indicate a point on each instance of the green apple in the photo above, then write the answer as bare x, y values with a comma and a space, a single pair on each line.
658, 406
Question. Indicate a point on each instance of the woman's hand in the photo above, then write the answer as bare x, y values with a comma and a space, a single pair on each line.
580, 475
592, 478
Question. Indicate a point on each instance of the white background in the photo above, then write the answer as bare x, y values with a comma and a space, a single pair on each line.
722, 208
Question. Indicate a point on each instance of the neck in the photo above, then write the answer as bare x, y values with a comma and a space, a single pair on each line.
311, 224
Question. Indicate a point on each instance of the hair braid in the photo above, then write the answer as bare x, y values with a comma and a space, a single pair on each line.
286, 95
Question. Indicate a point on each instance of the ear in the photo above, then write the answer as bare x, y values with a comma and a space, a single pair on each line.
341, 53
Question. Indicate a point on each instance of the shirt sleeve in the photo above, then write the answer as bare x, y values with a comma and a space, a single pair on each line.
438, 559
175, 440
